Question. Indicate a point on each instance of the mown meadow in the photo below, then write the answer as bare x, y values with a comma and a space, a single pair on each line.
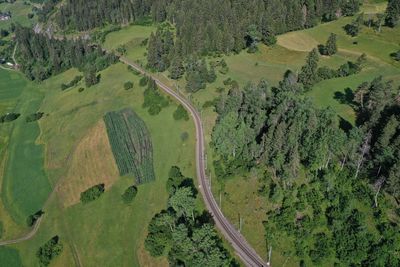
107, 227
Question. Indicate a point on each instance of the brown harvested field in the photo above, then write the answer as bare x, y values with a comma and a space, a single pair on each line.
92, 163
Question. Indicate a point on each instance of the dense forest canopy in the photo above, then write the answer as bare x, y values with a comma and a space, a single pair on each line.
201, 27
277, 128
316, 170
41, 56
88, 14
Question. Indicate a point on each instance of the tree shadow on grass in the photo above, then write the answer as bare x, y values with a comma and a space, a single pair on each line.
345, 125
345, 98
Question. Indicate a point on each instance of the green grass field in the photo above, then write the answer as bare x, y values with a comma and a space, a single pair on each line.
105, 232
10, 257
19, 13
24, 185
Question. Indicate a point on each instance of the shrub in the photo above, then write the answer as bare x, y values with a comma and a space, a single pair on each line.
351, 29
9, 117
34, 117
181, 113
129, 194
128, 85
81, 89
91, 78
184, 136
72, 83
49, 251
31, 220
396, 55
228, 81
92, 193
143, 81
1, 229
153, 100
326, 73
220, 90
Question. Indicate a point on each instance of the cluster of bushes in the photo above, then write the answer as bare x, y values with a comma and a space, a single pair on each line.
91, 77
181, 114
310, 74
198, 75
154, 101
221, 66
128, 85
72, 83
346, 69
9, 117
396, 55
129, 195
34, 117
330, 48
49, 251
92, 193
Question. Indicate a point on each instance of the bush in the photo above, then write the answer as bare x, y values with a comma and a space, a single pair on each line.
72, 83
34, 117
351, 29
9, 117
143, 81
128, 85
129, 194
81, 89
49, 251
153, 100
326, 73
92, 193
396, 55
181, 113
91, 78
31, 220
4, 33
184, 136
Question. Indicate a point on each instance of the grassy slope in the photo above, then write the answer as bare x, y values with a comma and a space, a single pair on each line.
101, 228
19, 13
24, 185
105, 232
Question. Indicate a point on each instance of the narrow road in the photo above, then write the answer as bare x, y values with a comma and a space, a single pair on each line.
25, 237
243, 249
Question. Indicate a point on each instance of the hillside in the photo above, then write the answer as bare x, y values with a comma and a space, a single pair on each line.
164, 133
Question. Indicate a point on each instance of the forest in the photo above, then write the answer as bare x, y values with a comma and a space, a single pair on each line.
41, 56
200, 27
280, 131
183, 233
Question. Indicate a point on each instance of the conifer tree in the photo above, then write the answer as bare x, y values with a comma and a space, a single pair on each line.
176, 69
392, 13
331, 47
308, 75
